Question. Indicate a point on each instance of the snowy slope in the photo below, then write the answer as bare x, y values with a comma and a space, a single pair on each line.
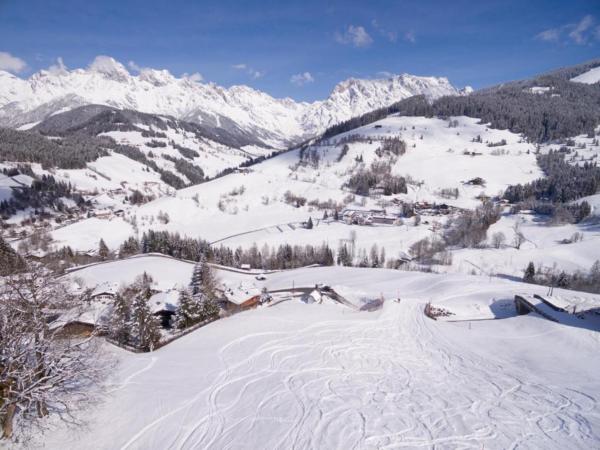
324, 376
426, 160
218, 212
590, 77
214, 211
239, 108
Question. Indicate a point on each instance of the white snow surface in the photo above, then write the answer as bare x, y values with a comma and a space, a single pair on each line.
326, 376
590, 77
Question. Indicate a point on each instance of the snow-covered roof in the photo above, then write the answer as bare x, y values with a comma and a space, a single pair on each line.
105, 288
91, 314
241, 292
579, 300
164, 301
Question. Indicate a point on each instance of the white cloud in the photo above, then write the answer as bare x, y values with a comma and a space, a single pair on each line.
196, 77
355, 35
391, 36
300, 79
551, 35
253, 73
385, 74
107, 65
579, 33
58, 67
11, 63
410, 37
133, 66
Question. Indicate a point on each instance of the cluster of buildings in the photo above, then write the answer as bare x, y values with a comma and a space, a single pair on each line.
369, 217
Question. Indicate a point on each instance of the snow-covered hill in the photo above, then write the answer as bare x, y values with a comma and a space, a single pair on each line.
325, 376
247, 208
255, 200
241, 109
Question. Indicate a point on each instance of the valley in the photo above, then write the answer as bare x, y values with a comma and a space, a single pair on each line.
402, 264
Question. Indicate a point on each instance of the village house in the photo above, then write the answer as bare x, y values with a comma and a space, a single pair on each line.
239, 298
164, 306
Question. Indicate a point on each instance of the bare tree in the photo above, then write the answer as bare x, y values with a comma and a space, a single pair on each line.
42, 369
498, 239
519, 237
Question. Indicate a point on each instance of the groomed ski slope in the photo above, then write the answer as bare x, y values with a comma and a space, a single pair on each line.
324, 376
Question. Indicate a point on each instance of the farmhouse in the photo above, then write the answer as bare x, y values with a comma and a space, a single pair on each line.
164, 305
104, 292
241, 297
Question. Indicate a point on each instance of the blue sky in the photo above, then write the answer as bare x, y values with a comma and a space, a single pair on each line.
303, 48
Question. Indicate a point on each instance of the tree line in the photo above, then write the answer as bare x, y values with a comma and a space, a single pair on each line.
284, 256
567, 109
563, 183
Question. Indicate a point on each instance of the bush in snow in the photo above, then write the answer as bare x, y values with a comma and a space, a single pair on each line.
469, 228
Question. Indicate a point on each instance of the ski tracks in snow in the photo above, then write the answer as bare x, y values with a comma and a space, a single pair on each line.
390, 382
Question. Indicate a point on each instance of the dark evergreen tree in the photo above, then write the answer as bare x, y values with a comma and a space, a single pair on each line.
198, 275
562, 281
10, 261
120, 321
188, 311
209, 309
103, 251
529, 273
145, 326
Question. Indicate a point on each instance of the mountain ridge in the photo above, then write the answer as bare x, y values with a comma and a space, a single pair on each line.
277, 122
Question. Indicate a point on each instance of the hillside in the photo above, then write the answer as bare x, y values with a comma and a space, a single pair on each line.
543, 108
324, 375
256, 199
438, 165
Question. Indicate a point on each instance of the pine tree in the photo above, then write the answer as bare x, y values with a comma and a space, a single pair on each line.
145, 326
209, 309
189, 310
563, 280
120, 323
103, 251
344, 258
309, 224
336, 216
202, 278
374, 256
10, 261
595, 272
529, 273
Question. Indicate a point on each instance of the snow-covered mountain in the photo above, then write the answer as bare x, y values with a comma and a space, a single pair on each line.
238, 109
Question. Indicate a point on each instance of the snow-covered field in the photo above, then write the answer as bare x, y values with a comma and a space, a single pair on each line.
326, 376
